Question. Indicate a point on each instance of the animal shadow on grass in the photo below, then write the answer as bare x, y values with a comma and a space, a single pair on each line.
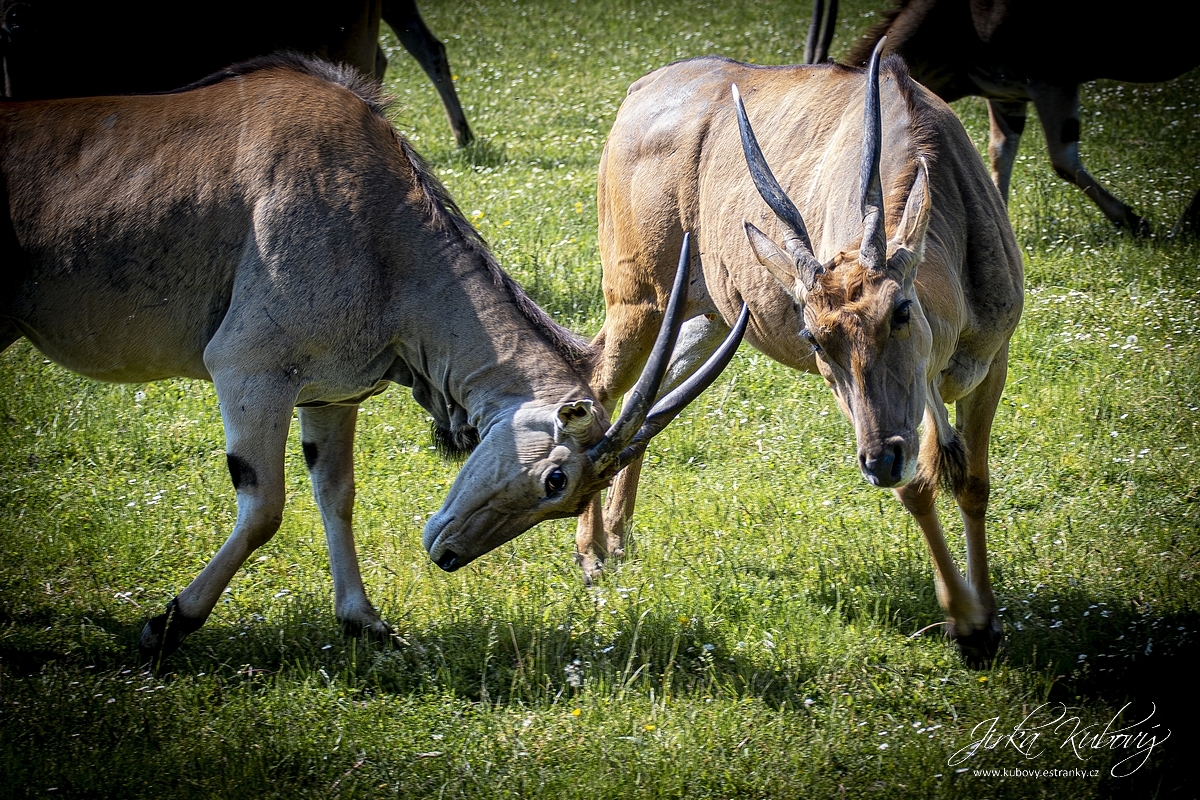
38, 637
479, 658
1106, 650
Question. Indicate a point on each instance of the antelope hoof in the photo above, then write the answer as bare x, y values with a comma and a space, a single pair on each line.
1139, 227
979, 647
375, 630
592, 566
163, 634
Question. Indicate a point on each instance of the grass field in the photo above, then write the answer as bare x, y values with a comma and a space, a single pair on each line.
759, 642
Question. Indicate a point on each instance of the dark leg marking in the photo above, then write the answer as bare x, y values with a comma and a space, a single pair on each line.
952, 464
241, 472
310, 454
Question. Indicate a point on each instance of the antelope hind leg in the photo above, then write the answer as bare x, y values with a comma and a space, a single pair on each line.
1058, 109
406, 22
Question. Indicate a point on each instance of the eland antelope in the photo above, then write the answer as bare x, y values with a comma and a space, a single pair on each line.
898, 279
268, 230
1011, 52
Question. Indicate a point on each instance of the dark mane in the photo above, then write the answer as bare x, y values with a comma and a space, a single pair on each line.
574, 349
453, 445
343, 75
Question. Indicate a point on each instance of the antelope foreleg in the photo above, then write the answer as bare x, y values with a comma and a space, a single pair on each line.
974, 415
618, 507
971, 614
591, 545
698, 338
601, 534
965, 612
943, 459
327, 435
256, 427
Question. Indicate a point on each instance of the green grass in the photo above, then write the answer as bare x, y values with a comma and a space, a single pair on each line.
759, 640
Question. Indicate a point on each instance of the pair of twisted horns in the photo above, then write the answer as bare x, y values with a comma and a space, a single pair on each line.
873, 252
639, 420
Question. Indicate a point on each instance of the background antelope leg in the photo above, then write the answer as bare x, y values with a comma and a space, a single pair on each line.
1058, 109
1007, 121
405, 20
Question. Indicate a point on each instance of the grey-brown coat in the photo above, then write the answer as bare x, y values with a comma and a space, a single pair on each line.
268, 230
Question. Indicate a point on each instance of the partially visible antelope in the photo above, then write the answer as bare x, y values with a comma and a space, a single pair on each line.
898, 279
268, 230
1013, 52
820, 32
131, 46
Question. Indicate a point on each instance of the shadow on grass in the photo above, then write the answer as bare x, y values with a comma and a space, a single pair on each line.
1104, 649
477, 659
1132, 658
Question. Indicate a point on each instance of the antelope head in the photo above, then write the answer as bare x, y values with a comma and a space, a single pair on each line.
548, 459
861, 313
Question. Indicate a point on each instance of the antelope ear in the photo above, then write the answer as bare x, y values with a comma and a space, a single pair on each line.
573, 419
906, 248
772, 256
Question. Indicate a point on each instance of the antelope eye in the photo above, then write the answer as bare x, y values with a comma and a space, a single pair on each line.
556, 481
807, 336
902, 314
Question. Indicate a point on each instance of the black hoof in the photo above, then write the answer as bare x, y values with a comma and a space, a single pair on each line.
978, 648
1138, 227
379, 632
1188, 226
591, 568
163, 634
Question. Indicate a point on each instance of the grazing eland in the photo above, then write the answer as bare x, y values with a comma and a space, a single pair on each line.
268, 230
1011, 52
899, 280
77, 48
